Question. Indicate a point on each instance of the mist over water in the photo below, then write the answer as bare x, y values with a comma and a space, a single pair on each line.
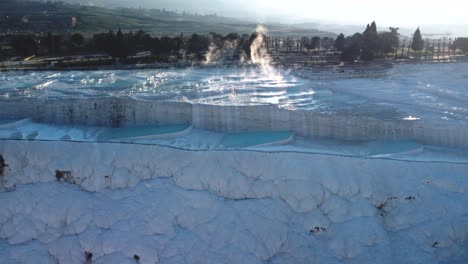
410, 92
213, 55
259, 54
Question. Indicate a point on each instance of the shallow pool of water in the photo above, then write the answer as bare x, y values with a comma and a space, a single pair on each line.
409, 92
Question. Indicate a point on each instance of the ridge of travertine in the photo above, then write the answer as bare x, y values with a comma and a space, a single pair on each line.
61, 199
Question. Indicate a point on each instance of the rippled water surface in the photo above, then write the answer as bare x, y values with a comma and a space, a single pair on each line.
408, 92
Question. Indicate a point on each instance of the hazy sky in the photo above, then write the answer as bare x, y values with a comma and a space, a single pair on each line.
401, 12
431, 15
398, 12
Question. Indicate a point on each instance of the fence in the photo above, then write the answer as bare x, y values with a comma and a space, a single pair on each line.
292, 51
434, 51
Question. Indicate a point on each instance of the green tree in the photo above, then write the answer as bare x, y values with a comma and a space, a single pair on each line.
120, 49
389, 40
461, 44
24, 45
353, 47
147, 42
198, 44
305, 42
120, 46
109, 44
77, 40
327, 42
371, 42
417, 43
232, 36
340, 42
315, 42
51, 45
3, 53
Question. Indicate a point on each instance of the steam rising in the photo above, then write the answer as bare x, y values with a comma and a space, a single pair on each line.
213, 54
259, 54
225, 51
216, 54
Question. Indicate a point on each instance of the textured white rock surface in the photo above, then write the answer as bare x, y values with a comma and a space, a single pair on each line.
168, 205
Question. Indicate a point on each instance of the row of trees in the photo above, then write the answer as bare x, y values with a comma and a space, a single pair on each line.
461, 44
32, 44
367, 45
121, 45
313, 43
373, 44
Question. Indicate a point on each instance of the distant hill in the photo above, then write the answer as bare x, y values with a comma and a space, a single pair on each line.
36, 16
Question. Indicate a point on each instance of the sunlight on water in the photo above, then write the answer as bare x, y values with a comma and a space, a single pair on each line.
410, 92
411, 118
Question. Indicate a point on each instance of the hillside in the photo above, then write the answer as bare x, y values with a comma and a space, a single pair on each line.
33, 16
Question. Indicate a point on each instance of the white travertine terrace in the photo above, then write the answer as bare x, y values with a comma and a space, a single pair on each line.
118, 112
170, 205
381, 178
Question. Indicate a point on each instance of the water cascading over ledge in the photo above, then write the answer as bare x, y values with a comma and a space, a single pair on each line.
124, 112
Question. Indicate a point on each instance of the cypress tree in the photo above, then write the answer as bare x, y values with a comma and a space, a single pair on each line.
373, 28
418, 43
315, 42
340, 42
51, 43
353, 46
367, 29
371, 46
121, 45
